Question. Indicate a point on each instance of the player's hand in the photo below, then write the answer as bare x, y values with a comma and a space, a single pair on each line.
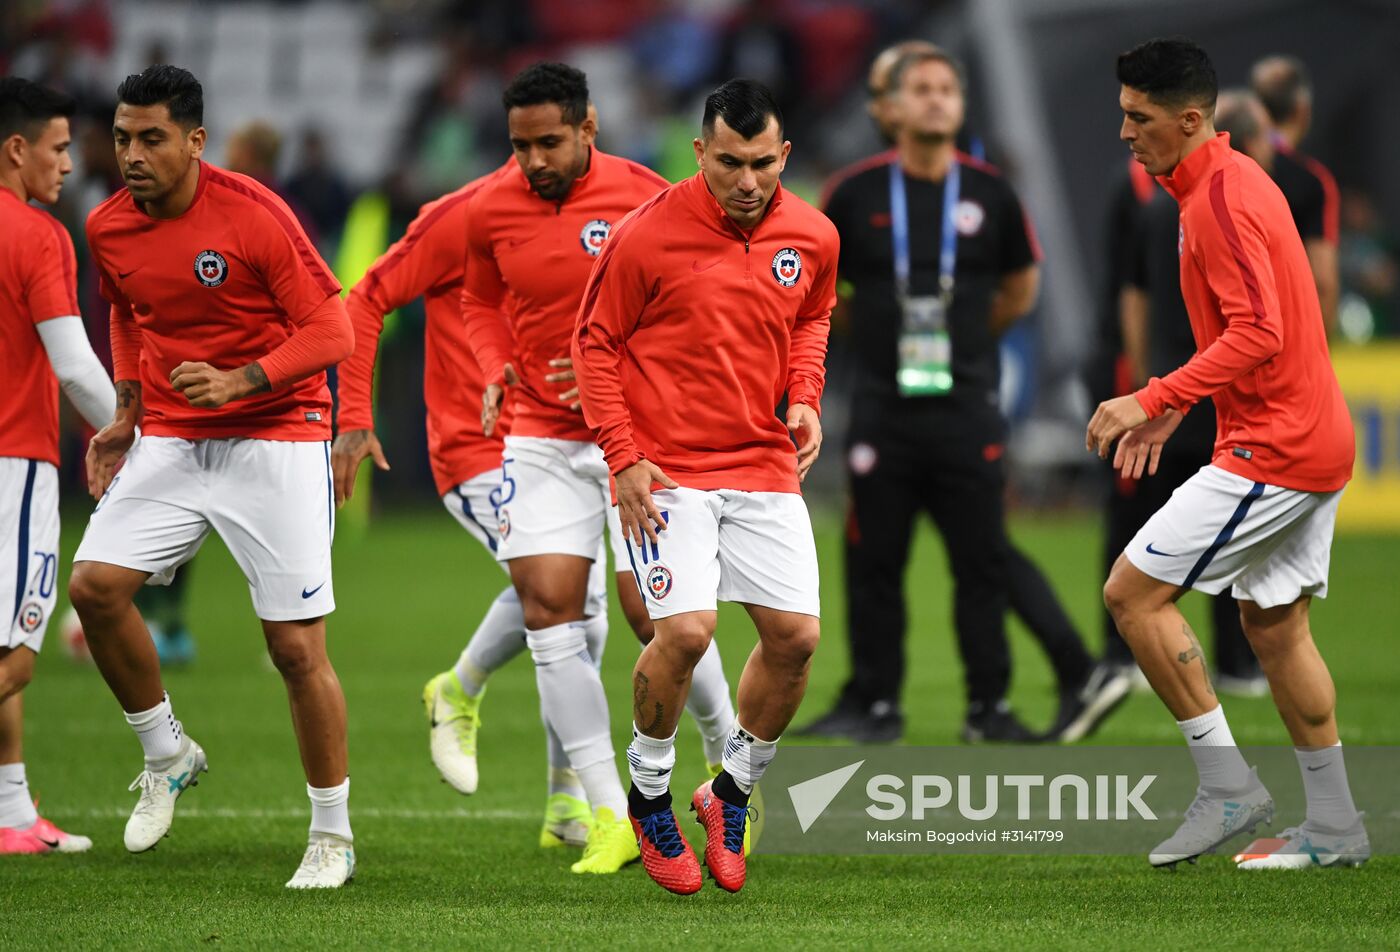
105, 454
206, 386
1111, 420
1141, 448
806, 429
565, 374
347, 453
635, 508
492, 399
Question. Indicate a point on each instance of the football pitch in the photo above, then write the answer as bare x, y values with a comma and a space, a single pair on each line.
438, 870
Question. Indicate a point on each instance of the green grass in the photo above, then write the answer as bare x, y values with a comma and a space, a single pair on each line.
439, 870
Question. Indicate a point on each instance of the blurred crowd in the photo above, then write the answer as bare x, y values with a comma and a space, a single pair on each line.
650, 64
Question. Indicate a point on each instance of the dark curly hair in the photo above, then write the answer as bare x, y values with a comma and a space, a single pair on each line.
550, 82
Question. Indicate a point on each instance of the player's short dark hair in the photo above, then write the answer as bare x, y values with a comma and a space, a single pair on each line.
1280, 82
916, 57
745, 105
558, 83
26, 107
1172, 72
171, 86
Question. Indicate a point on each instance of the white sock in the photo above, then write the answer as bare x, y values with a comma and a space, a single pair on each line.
16, 805
1325, 782
498, 639
1218, 761
330, 809
595, 635
746, 757
571, 695
157, 730
709, 703
651, 760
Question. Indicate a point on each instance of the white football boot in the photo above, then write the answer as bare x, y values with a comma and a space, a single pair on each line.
453, 719
328, 864
161, 784
1213, 818
1309, 846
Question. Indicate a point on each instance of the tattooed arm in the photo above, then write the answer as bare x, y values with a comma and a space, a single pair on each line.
109, 447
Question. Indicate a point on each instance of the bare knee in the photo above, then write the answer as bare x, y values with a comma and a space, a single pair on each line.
1273, 632
792, 646
98, 590
684, 638
296, 654
552, 589
16, 671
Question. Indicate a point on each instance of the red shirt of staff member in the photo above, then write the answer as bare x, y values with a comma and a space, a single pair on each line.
1258, 520
709, 304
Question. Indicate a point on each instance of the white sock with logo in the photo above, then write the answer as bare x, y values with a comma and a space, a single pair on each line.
1218, 761
498, 639
709, 703
651, 760
330, 809
571, 694
746, 757
157, 730
1325, 782
16, 805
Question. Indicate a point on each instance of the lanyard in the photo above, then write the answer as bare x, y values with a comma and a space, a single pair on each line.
899, 229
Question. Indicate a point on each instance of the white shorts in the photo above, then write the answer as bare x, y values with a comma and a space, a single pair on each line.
725, 545
1273, 545
554, 498
28, 550
475, 504
270, 501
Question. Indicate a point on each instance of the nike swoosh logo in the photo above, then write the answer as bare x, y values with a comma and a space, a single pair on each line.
306, 594
1199, 736
701, 269
1315, 769
123, 275
51, 844
1152, 551
17, 783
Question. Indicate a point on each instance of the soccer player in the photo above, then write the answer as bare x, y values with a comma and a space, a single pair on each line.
1260, 517
937, 247
532, 236
710, 303
42, 344
1283, 86
223, 322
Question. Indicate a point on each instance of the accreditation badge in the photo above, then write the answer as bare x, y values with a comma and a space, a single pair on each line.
925, 349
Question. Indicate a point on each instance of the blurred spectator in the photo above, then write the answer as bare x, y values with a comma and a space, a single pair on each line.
759, 43
253, 150
320, 189
1370, 273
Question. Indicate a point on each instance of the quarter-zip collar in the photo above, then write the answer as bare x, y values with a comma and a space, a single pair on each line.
697, 191
1196, 167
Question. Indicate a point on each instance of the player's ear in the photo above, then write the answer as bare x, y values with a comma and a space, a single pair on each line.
197, 138
1191, 120
700, 152
13, 149
588, 129
783, 155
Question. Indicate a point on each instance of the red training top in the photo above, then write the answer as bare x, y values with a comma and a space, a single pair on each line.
1261, 350
691, 331
230, 281
429, 260
38, 282
539, 252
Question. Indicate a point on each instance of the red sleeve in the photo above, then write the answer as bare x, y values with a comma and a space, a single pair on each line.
322, 338
807, 350
52, 289
307, 293
428, 255
613, 301
1232, 251
483, 304
1331, 202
